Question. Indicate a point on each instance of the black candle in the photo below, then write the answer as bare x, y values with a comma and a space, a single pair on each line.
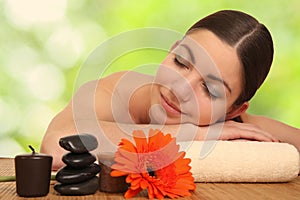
107, 183
33, 173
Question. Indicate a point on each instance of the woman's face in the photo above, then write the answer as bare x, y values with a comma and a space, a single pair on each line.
198, 81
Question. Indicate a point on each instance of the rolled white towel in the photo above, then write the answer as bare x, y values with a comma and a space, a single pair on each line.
228, 161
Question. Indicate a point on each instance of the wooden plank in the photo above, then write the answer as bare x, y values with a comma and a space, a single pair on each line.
215, 191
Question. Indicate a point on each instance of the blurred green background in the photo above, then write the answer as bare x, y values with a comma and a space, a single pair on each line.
43, 43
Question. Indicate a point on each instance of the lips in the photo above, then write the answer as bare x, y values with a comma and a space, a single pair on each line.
169, 106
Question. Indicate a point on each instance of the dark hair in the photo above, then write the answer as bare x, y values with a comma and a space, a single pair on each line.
253, 43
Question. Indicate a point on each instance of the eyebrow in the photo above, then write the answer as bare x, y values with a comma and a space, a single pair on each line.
189, 51
210, 76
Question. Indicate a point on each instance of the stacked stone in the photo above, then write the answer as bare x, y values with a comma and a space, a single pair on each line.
78, 177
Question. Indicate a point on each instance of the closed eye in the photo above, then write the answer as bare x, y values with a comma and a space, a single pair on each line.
211, 91
207, 92
181, 62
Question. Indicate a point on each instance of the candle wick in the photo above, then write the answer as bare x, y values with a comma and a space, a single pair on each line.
32, 149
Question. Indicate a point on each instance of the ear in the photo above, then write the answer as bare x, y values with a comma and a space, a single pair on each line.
237, 111
175, 45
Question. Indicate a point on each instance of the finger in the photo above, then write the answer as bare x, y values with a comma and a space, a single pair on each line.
254, 129
256, 136
266, 134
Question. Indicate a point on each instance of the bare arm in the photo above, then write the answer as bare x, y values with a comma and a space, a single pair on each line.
109, 134
281, 131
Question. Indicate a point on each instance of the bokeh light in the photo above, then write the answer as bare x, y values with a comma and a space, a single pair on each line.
45, 82
65, 46
34, 12
9, 116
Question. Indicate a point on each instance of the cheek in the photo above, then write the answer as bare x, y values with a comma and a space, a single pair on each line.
165, 75
209, 111
205, 110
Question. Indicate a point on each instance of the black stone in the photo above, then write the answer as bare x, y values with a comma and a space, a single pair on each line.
70, 175
84, 188
78, 161
81, 143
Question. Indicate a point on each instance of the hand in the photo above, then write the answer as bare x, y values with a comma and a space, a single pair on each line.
231, 130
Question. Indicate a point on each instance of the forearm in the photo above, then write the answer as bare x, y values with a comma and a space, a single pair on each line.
281, 131
57, 129
108, 134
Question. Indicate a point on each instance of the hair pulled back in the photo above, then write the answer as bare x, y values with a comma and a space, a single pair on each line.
252, 41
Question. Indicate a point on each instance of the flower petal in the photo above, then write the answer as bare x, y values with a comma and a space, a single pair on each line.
117, 173
157, 192
140, 141
150, 192
126, 163
135, 183
121, 167
144, 184
131, 193
127, 145
157, 140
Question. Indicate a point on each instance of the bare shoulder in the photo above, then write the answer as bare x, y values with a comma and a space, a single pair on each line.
251, 118
108, 82
245, 117
130, 77
112, 92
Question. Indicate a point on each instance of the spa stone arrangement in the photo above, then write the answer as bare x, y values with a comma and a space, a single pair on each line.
78, 177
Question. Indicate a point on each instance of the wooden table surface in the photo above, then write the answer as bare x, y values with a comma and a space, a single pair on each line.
290, 190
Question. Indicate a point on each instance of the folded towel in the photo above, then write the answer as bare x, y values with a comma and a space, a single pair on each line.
228, 161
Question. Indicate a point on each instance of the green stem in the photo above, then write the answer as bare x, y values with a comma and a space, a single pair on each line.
7, 178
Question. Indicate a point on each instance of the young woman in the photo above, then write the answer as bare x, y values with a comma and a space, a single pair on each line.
201, 91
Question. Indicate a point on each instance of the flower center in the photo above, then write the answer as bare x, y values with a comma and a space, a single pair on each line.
150, 171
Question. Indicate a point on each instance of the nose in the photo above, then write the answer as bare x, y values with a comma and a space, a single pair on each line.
183, 88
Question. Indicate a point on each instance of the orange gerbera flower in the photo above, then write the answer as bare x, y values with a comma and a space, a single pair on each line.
154, 164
